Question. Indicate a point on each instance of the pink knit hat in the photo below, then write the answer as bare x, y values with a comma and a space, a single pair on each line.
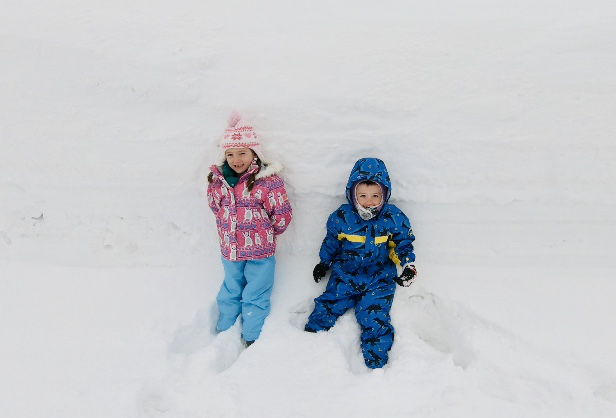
239, 135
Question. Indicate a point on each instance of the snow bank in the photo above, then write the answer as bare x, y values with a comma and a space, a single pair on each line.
495, 120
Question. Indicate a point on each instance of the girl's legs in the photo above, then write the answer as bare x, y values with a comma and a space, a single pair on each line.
255, 304
230, 294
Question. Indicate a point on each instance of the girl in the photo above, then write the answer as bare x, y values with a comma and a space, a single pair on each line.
251, 207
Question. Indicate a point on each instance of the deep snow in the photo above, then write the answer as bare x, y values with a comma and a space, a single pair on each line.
496, 122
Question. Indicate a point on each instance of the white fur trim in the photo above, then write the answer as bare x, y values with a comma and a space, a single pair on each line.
269, 169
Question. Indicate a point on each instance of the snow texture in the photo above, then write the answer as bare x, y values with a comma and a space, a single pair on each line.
496, 122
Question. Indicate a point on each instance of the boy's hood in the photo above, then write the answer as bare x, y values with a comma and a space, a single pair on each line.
371, 169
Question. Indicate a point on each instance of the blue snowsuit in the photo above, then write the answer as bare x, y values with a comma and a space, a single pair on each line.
363, 256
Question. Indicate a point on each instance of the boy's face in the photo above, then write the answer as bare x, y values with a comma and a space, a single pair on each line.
368, 196
239, 159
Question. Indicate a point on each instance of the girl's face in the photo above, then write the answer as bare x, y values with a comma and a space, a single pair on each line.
369, 196
239, 159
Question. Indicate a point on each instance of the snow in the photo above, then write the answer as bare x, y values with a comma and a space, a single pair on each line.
496, 122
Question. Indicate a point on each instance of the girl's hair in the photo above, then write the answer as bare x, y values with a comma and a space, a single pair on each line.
251, 178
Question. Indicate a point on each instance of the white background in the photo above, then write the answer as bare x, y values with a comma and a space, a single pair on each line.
495, 119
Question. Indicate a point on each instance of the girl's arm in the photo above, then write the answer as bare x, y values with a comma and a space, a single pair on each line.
277, 206
214, 196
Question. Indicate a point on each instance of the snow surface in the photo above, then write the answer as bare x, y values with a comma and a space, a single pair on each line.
496, 121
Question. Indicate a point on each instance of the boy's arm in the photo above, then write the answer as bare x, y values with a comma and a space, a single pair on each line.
331, 244
278, 207
403, 237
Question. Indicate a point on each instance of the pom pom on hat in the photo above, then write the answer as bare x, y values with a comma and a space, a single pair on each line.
234, 118
239, 135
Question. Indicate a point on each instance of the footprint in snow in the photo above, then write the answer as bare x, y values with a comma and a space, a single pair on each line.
299, 314
196, 354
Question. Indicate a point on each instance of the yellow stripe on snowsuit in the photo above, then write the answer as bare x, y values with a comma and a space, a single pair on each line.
377, 240
392, 253
352, 238
381, 240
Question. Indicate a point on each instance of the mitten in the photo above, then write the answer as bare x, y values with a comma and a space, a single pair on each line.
407, 276
319, 271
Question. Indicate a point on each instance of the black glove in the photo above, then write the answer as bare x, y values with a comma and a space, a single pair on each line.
319, 271
407, 276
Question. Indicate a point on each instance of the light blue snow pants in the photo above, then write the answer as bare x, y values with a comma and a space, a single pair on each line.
246, 290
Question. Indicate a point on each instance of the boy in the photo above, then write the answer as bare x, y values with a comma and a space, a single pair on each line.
359, 248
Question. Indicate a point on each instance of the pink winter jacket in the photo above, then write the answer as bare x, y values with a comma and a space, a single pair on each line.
248, 222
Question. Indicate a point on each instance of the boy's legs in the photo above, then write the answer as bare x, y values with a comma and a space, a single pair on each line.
256, 295
377, 333
230, 294
334, 302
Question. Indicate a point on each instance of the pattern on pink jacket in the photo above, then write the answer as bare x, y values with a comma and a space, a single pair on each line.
249, 221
